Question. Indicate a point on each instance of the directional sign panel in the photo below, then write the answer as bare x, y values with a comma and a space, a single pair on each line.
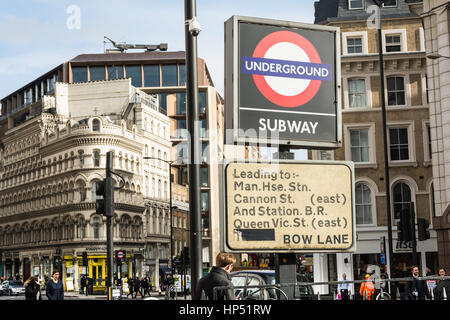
282, 82
289, 206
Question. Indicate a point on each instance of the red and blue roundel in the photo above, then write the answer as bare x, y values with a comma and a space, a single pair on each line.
286, 69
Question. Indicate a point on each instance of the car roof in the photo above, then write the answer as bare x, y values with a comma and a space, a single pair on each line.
267, 272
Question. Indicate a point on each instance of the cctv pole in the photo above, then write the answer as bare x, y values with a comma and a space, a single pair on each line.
386, 159
194, 149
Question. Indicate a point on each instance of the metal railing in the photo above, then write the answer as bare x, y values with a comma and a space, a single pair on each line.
382, 295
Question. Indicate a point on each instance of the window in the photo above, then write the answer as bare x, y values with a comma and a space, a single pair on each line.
169, 75
181, 132
182, 152
203, 129
357, 93
182, 176
202, 102
390, 3
396, 91
355, 4
354, 45
79, 74
97, 73
151, 76
203, 176
181, 103
134, 72
162, 100
359, 142
398, 144
115, 72
393, 43
51, 84
401, 198
182, 74
96, 227
95, 125
363, 203
96, 158
204, 201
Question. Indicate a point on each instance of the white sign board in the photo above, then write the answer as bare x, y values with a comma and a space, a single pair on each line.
289, 206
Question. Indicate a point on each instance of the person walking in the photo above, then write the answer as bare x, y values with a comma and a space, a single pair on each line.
130, 284
442, 285
344, 288
219, 276
145, 286
367, 288
83, 284
32, 289
54, 288
137, 287
416, 289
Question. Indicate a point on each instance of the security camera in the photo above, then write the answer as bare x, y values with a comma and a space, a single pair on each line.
194, 26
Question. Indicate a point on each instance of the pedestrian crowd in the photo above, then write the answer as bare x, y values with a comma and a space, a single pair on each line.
414, 288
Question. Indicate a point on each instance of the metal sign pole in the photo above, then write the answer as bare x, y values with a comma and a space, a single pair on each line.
194, 149
286, 262
385, 146
109, 227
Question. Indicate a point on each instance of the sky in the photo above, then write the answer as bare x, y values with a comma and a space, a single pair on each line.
38, 35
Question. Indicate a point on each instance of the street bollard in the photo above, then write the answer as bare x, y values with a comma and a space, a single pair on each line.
444, 293
432, 294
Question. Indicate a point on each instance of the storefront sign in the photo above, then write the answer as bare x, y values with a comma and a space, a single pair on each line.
282, 82
289, 207
403, 246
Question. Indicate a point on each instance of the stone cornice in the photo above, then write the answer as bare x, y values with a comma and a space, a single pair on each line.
74, 207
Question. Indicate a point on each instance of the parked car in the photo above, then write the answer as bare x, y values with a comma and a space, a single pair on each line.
11, 287
248, 278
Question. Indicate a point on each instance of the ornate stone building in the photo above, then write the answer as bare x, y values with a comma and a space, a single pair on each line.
53, 151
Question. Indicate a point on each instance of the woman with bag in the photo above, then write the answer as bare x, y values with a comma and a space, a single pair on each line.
32, 289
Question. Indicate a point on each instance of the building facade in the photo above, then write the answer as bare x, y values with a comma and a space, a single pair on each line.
142, 94
437, 33
51, 161
408, 125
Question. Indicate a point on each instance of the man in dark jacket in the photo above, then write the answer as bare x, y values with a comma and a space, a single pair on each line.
442, 285
416, 289
137, 287
219, 276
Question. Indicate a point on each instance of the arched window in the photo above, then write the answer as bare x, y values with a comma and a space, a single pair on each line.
363, 203
401, 198
95, 125
96, 227
82, 190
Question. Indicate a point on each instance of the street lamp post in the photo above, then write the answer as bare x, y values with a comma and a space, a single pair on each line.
169, 162
379, 3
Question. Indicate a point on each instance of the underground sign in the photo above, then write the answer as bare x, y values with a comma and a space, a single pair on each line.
286, 85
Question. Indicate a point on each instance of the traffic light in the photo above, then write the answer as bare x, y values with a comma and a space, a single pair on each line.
422, 226
85, 259
185, 255
105, 189
404, 226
